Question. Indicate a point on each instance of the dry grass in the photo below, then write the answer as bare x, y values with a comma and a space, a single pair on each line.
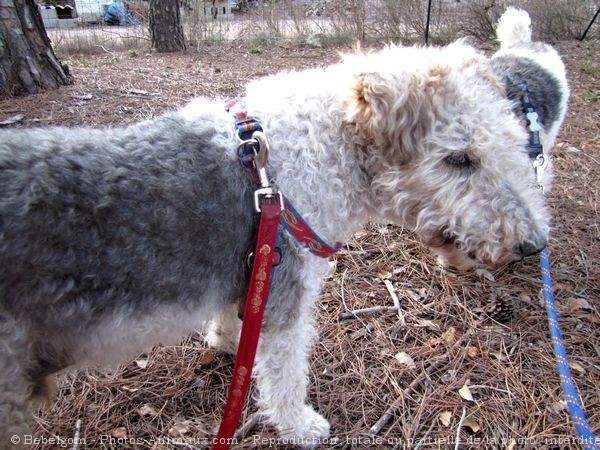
172, 397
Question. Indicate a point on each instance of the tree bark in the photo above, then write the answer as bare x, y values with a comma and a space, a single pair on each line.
165, 26
27, 61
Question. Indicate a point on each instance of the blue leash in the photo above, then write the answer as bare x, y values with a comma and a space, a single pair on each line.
587, 439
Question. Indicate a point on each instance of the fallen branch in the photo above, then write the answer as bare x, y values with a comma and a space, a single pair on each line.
346, 306
76, 435
460, 424
352, 314
396, 300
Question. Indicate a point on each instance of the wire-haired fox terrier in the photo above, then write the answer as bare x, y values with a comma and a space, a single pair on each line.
113, 240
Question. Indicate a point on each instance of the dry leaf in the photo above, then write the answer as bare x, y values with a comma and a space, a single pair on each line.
472, 352
449, 336
465, 393
423, 323
445, 418
405, 359
147, 410
142, 363
577, 367
579, 304
434, 342
473, 426
558, 407
485, 274
207, 359
360, 234
384, 274
179, 428
170, 391
119, 433
130, 389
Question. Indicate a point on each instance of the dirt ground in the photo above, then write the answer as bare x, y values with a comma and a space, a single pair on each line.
486, 331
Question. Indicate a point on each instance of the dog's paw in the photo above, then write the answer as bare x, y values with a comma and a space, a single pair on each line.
222, 342
309, 430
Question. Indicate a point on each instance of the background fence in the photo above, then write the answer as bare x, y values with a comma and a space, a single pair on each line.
327, 22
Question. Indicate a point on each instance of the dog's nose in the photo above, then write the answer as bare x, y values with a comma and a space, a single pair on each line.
529, 248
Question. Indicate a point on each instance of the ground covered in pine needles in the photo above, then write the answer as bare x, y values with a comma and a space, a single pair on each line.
467, 356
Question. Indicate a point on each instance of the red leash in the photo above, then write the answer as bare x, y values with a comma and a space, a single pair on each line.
258, 292
269, 205
273, 209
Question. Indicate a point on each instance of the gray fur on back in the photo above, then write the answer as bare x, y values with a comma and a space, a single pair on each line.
96, 223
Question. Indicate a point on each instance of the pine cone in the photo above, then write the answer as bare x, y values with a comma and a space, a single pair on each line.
501, 309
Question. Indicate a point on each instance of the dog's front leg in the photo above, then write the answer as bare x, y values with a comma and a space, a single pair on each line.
282, 367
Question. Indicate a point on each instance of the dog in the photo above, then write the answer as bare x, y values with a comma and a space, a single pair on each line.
114, 240
521, 61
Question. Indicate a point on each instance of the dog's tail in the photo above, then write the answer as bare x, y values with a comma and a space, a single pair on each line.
514, 28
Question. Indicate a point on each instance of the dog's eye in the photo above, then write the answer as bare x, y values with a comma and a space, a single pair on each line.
458, 159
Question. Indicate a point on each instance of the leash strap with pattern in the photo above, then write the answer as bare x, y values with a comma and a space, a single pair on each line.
265, 258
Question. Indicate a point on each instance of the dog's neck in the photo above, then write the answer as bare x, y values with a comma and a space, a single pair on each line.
542, 87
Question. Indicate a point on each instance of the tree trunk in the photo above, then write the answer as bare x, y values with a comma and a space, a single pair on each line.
165, 26
27, 62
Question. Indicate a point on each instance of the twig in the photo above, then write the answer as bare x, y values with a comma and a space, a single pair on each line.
389, 413
247, 427
365, 311
105, 50
480, 386
76, 435
346, 306
396, 300
460, 424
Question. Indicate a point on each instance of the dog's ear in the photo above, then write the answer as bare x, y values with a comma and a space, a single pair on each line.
393, 113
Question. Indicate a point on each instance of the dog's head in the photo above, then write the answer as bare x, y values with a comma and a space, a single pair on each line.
446, 154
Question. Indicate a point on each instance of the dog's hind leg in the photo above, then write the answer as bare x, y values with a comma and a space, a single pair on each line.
282, 365
223, 333
15, 385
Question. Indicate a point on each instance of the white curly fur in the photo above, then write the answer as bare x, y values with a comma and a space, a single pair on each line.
514, 28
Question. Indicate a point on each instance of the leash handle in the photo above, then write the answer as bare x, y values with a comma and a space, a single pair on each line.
587, 438
256, 299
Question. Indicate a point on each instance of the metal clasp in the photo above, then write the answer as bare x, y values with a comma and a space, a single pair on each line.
539, 165
267, 192
261, 156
